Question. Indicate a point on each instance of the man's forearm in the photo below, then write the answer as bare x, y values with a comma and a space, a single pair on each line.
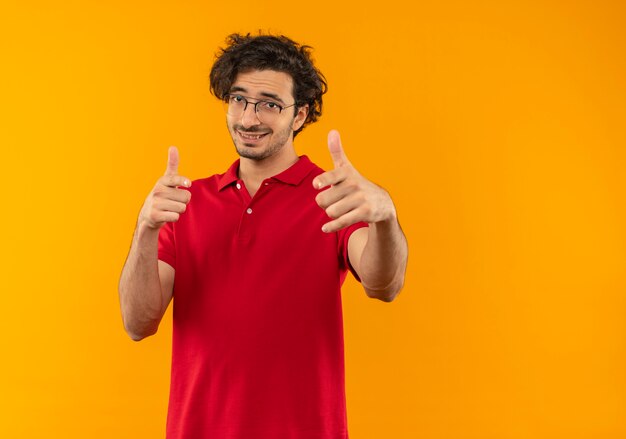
384, 259
141, 298
380, 258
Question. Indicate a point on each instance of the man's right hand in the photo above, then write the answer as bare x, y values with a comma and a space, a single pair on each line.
166, 202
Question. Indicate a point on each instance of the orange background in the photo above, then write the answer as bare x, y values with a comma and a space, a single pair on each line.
498, 129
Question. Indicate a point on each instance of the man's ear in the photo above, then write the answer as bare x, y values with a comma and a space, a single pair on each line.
298, 121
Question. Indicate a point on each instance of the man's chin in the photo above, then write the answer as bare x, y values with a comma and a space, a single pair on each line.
252, 154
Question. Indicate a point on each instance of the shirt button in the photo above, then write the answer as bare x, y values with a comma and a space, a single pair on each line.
266, 184
238, 186
248, 211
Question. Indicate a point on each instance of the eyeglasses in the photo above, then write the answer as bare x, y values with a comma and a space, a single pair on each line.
267, 111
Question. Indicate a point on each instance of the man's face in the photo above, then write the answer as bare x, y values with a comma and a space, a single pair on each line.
259, 139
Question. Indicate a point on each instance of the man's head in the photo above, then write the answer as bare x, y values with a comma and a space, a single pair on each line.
246, 54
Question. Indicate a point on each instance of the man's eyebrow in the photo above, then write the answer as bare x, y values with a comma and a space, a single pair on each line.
238, 88
273, 96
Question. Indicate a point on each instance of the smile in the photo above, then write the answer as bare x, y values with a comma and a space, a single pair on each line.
250, 136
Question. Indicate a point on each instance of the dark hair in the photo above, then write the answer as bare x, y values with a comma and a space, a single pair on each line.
269, 52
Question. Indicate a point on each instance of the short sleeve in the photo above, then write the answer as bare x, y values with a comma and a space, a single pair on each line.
167, 245
343, 238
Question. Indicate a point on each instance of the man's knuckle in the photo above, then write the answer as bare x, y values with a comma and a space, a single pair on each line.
352, 185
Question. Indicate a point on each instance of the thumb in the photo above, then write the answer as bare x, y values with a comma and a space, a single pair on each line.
172, 161
336, 151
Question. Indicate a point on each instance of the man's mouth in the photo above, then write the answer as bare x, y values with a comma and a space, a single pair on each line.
251, 136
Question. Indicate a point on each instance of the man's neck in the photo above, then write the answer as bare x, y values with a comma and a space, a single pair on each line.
253, 172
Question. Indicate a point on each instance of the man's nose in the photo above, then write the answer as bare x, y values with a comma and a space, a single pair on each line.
249, 117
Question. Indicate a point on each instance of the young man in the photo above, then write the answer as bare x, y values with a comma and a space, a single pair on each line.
255, 258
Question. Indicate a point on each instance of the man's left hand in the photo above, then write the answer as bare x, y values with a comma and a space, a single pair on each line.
351, 197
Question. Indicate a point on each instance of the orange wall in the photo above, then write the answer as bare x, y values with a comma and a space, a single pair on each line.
499, 131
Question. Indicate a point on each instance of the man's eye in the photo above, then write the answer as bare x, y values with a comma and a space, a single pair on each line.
271, 105
236, 98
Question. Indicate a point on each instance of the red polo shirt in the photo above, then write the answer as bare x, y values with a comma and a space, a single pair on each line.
257, 347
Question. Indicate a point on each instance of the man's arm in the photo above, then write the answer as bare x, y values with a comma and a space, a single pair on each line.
379, 253
146, 284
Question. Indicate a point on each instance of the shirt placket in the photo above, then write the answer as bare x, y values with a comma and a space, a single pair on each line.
247, 218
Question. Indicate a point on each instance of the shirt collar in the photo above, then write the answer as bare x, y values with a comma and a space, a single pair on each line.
292, 175
229, 177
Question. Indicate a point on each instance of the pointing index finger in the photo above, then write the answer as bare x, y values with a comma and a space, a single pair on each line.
329, 178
